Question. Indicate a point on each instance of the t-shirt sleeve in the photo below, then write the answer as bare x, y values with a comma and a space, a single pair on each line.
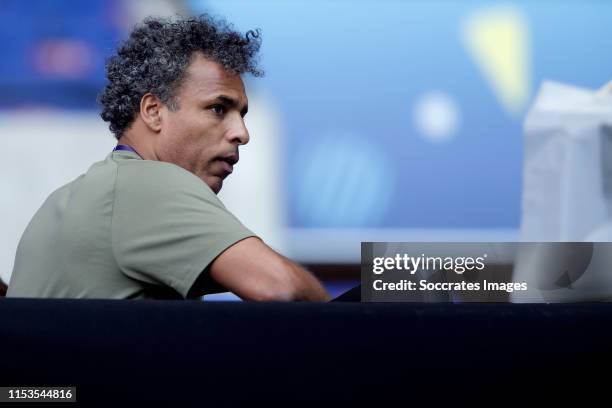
168, 225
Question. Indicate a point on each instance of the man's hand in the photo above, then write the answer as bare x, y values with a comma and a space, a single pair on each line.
254, 271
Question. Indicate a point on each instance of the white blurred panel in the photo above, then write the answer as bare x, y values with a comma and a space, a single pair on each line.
253, 192
344, 245
42, 151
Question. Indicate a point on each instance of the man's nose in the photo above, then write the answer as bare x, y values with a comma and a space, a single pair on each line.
238, 132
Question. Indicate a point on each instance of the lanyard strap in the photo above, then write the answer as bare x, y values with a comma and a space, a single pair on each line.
125, 148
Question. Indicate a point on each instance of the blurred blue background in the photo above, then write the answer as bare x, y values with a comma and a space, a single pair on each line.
393, 119
348, 77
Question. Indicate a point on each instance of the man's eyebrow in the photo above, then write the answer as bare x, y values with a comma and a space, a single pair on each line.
232, 103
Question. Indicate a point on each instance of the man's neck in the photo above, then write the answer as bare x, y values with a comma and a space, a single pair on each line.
144, 150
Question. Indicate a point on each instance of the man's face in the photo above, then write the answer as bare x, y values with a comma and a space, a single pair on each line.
203, 135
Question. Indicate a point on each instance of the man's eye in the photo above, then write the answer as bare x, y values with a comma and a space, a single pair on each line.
218, 109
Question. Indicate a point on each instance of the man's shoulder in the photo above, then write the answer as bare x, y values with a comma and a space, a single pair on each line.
159, 178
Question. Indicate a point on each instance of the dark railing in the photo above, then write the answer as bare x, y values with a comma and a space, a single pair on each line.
185, 353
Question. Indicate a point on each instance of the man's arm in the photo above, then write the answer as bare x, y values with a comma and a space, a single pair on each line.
253, 271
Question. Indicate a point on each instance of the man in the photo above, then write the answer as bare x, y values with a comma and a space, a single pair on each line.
146, 222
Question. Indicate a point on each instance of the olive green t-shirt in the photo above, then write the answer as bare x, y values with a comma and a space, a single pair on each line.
128, 228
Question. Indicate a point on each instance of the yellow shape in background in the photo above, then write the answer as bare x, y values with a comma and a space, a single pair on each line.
498, 41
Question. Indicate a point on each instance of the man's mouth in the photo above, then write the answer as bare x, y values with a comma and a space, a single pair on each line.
228, 162
227, 166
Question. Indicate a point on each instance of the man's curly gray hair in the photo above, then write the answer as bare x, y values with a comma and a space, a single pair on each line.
155, 56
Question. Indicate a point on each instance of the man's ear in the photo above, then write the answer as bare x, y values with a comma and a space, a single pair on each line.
151, 111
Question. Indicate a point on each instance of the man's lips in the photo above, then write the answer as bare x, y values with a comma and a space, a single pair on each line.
227, 167
228, 162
